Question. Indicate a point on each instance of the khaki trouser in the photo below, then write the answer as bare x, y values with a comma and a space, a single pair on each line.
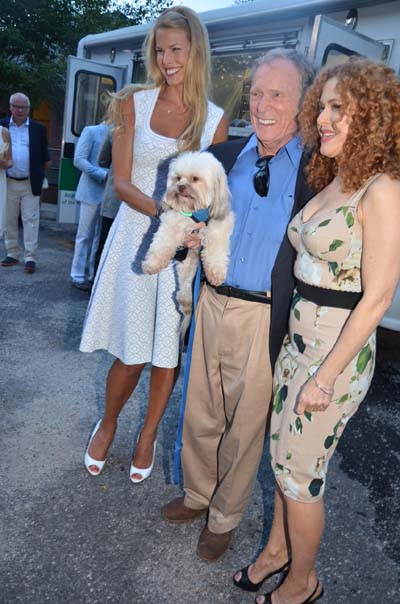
227, 404
19, 196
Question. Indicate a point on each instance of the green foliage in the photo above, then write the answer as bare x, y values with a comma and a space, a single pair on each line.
279, 398
363, 359
298, 340
315, 486
36, 36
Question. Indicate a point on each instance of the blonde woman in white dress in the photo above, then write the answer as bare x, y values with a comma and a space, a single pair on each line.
5, 163
132, 315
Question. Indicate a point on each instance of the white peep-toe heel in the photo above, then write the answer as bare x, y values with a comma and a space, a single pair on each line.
89, 461
144, 472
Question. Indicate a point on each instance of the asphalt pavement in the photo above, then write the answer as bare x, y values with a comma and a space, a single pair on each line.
69, 538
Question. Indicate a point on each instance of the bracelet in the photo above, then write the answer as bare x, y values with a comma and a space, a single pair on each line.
327, 391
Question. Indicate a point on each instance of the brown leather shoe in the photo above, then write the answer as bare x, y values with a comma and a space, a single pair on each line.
30, 267
212, 546
176, 511
9, 261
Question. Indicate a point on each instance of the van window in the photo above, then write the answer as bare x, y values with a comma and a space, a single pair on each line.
91, 99
335, 54
231, 87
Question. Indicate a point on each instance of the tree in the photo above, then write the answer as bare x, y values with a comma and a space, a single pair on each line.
36, 36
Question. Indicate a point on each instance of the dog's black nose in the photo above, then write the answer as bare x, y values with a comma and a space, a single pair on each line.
181, 188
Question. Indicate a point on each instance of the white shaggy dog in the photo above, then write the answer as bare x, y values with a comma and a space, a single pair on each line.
196, 183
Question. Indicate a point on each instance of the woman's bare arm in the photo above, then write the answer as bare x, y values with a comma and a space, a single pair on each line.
122, 160
221, 133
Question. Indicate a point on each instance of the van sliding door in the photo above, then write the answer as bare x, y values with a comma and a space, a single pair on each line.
88, 85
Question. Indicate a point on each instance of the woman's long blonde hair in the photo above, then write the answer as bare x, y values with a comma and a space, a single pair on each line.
197, 80
197, 74
114, 115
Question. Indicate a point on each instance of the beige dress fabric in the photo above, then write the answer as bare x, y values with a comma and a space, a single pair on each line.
329, 250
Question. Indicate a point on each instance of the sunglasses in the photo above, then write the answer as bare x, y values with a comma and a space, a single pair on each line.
261, 177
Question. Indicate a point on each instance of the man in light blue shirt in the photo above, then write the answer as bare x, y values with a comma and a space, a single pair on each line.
230, 382
251, 261
89, 194
24, 181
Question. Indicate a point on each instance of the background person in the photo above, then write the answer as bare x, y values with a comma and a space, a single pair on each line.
230, 381
133, 315
110, 204
89, 194
347, 269
24, 181
5, 163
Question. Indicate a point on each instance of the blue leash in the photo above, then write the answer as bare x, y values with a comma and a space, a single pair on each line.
178, 441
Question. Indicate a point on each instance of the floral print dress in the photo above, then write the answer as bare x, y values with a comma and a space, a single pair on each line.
329, 249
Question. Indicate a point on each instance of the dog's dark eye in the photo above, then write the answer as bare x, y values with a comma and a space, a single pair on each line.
178, 178
195, 178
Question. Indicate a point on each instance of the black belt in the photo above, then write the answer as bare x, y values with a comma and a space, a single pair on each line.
328, 297
241, 294
15, 178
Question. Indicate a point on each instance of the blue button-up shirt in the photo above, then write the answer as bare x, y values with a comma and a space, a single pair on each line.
20, 149
260, 222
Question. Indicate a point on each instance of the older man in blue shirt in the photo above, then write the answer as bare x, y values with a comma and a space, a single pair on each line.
230, 382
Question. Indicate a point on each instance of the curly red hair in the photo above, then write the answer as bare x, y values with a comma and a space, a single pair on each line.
372, 91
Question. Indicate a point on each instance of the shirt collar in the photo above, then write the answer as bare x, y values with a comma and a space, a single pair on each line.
293, 149
12, 123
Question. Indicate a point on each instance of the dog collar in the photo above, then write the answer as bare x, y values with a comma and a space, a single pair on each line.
199, 216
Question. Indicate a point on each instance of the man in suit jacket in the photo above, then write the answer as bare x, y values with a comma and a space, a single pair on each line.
110, 204
24, 181
230, 381
89, 194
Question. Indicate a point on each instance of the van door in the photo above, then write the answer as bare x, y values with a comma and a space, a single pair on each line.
86, 99
332, 42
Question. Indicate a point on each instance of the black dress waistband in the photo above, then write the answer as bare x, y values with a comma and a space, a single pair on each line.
328, 297
241, 294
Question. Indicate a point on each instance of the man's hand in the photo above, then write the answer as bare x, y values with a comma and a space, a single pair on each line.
194, 239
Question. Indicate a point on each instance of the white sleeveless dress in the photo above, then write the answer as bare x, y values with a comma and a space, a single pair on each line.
3, 184
133, 315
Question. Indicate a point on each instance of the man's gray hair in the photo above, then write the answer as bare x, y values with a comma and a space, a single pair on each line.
303, 65
12, 98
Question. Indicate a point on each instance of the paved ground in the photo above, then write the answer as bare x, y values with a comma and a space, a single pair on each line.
68, 538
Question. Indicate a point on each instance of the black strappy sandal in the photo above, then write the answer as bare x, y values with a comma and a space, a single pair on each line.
245, 582
310, 600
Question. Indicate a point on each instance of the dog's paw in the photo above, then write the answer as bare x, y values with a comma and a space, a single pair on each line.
151, 267
185, 303
215, 276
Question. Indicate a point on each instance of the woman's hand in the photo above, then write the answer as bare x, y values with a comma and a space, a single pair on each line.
313, 396
194, 238
5, 163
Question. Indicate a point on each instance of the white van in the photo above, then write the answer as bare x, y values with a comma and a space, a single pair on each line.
327, 31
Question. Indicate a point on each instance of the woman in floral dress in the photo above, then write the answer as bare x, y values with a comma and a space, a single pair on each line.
347, 269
